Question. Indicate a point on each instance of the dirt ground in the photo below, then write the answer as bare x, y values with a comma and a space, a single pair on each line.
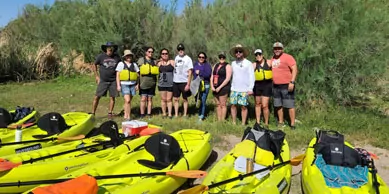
229, 141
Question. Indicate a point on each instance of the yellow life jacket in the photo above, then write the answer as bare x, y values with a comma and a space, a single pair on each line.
128, 73
246, 149
202, 86
149, 69
263, 73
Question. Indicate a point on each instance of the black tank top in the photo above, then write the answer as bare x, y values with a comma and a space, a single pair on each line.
221, 71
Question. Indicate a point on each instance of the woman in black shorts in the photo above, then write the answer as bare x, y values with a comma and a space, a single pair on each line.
221, 85
262, 87
165, 82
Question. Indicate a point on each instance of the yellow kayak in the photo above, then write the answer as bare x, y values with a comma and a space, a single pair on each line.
19, 116
51, 126
57, 166
234, 164
319, 177
186, 149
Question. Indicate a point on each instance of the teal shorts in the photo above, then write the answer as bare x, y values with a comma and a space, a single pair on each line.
240, 98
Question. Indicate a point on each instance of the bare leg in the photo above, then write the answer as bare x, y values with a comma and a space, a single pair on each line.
218, 109
163, 102
169, 96
280, 114
176, 105
244, 114
149, 104
258, 108
223, 106
292, 115
233, 113
185, 103
96, 100
143, 105
127, 106
111, 104
265, 107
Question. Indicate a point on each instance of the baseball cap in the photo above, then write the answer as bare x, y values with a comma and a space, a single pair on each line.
180, 47
278, 44
258, 51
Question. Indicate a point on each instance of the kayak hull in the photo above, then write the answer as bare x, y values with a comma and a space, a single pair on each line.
58, 166
82, 123
312, 180
278, 180
194, 143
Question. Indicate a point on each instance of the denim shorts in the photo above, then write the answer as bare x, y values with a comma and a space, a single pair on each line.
128, 90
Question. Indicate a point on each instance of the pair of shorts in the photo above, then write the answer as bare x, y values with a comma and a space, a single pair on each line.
224, 91
165, 89
178, 89
104, 87
128, 89
240, 98
263, 88
150, 92
282, 97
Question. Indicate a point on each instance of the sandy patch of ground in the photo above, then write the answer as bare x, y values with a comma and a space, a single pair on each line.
229, 141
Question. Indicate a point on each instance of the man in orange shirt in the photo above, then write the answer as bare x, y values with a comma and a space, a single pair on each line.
284, 75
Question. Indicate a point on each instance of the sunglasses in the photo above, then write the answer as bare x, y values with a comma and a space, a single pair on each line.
164, 53
201, 57
150, 51
258, 54
222, 57
180, 49
238, 51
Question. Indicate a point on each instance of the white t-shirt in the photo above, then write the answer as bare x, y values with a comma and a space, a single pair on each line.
243, 78
181, 67
120, 67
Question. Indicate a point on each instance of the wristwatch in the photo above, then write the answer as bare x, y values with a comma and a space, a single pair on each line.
292, 82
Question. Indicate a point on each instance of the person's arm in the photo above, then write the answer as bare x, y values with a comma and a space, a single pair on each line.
94, 69
118, 70
190, 68
211, 79
294, 70
251, 77
138, 80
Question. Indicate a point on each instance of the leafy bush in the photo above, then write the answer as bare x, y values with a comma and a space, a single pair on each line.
339, 45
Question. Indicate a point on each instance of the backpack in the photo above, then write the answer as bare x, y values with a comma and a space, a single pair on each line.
331, 145
270, 140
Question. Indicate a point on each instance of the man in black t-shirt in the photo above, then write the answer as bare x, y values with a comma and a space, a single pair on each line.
106, 81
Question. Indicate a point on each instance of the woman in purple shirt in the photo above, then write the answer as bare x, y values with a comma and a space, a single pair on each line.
204, 70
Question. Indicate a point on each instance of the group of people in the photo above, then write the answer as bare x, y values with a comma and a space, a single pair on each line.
263, 78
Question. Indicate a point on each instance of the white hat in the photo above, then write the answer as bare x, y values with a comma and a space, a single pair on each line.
258, 51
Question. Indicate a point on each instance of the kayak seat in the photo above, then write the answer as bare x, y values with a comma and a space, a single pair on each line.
110, 129
165, 150
52, 123
5, 118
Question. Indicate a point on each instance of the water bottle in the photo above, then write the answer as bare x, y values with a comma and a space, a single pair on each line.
18, 134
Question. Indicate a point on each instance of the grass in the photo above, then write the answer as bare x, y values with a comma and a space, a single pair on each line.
76, 94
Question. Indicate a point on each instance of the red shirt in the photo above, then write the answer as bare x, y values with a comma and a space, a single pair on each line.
282, 68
